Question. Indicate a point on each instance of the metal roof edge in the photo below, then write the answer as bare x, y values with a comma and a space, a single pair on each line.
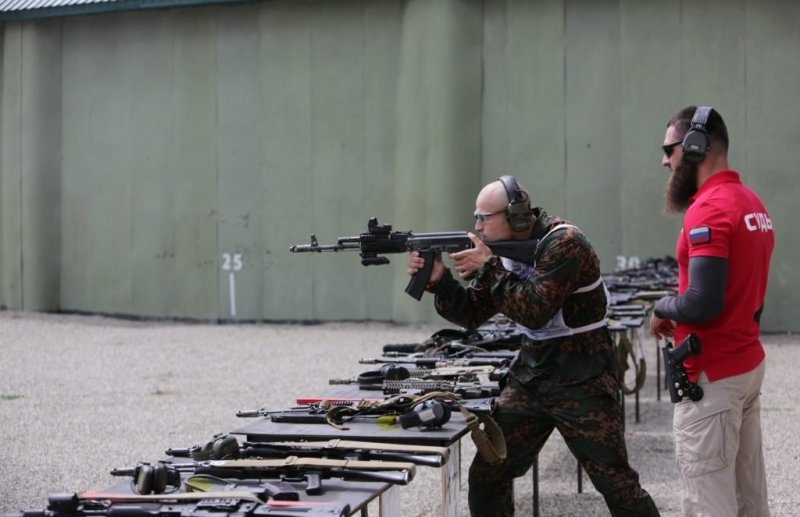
108, 7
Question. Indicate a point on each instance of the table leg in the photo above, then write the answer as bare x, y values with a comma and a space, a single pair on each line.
451, 482
658, 369
389, 503
535, 469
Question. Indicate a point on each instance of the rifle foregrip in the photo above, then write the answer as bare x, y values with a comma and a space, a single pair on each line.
427, 460
299, 418
395, 477
416, 286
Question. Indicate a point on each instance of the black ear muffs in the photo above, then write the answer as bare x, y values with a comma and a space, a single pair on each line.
430, 414
225, 447
154, 479
220, 447
143, 479
159, 478
518, 210
695, 143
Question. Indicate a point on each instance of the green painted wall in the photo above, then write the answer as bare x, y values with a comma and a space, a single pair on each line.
160, 163
577, 95
30, 153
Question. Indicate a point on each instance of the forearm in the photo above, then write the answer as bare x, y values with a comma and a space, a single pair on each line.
465, 306
530, 298
528, 301
704, 299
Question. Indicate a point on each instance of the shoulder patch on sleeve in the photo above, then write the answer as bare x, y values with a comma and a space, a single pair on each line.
700, 235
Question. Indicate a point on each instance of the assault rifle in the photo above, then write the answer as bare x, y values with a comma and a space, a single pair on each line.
293, 468
465, 389
224, 447
438, 362
316, 414
184, 504
379, 239
377, 379
400, 371
452, 343
339, 416
467, 378
490, 348
467, 382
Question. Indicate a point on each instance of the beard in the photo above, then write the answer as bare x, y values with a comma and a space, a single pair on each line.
681, 186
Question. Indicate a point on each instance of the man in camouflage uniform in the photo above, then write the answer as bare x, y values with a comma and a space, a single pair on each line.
564, 376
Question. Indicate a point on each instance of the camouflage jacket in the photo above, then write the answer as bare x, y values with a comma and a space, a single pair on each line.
565, 261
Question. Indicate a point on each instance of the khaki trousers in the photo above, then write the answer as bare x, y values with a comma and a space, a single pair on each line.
718, 448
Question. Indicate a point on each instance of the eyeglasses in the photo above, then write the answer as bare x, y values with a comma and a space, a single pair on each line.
670, 148
483, 217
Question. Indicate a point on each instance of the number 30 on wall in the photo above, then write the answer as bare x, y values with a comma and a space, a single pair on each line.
624, 263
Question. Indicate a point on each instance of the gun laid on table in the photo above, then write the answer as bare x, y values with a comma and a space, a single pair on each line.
374, 379
505, 346
467, 382
438, 362
379, 239
475, 389
346, 449
183, 504
294, 468
225, 447
317, 413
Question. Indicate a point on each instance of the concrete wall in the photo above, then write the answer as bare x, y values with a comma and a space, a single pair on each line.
160, 163
577, 95
30, 184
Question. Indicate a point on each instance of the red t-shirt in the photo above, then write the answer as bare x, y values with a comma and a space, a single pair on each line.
726, 219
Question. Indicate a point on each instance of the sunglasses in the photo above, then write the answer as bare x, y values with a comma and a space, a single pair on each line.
670, 148
484, 217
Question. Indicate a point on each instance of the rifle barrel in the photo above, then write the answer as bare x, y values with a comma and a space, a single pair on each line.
319, 248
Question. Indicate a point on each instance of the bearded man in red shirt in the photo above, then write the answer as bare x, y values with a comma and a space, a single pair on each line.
723, 253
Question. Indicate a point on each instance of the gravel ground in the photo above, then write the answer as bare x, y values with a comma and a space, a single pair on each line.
80, 395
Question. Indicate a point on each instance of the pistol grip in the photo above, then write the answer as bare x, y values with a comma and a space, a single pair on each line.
416, 286
313, 483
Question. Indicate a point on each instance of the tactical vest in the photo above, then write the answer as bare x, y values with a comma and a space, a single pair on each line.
557, 327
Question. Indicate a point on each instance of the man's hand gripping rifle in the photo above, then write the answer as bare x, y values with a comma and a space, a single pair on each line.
380, 240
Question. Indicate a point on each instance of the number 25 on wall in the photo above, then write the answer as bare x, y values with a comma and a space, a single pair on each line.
232, 261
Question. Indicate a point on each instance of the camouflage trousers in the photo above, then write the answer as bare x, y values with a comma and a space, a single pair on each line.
591, 421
